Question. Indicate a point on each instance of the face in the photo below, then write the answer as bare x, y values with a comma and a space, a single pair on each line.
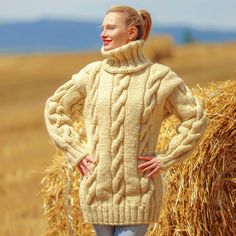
115, 33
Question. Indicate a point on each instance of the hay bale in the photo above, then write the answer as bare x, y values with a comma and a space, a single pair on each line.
159, 47
60, 221
63, 215
200, 196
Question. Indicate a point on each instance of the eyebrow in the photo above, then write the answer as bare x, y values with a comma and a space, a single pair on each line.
101, 26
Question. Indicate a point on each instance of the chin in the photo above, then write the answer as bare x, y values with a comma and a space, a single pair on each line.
107, 48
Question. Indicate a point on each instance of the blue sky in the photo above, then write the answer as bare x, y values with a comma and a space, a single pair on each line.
203, 14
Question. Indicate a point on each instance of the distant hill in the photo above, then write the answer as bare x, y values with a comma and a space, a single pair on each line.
73, 36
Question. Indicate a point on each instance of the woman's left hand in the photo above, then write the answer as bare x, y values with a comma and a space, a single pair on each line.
151, 165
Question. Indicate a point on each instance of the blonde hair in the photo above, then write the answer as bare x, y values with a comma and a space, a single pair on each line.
141, 19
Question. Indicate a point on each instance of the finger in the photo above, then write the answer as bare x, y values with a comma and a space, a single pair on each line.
149, 167
153, 172
80, 170
87, 168
84, 170
143, 165
146, 173
145, 158
146, 163
90, 160
86, 165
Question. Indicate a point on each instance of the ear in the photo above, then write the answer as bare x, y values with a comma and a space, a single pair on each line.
133, 33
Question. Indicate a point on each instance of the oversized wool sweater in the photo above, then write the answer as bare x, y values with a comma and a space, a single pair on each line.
123, 99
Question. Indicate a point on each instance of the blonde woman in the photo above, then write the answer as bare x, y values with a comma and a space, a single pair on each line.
124, 99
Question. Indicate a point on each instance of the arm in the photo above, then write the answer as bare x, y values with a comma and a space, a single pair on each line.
190, 112
58, 114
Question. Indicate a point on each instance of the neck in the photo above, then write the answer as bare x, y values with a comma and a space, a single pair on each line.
125, 59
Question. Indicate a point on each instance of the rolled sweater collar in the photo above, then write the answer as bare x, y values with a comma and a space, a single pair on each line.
127, 58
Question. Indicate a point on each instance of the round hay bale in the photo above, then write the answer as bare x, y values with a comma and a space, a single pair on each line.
200, 194
159, 47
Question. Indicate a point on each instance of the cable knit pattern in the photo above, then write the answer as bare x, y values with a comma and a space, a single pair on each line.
117, 134
59, 113
189, 131
123, 100
91, 181
149, 104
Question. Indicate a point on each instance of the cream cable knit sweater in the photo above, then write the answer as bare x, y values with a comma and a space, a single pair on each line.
123, 99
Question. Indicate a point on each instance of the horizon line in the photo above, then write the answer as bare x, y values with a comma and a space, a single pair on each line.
89, 20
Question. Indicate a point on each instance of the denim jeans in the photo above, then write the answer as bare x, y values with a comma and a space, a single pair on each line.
120, 230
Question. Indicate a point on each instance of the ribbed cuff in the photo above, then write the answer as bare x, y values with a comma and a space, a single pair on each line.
75, 156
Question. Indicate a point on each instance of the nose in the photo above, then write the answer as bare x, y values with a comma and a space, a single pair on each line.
103, 35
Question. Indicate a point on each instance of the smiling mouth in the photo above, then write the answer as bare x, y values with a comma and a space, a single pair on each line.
106, 42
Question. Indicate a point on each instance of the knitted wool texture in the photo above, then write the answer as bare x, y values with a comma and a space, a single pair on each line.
123, 99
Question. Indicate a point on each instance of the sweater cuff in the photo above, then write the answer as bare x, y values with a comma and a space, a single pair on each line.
167, 160
74, 156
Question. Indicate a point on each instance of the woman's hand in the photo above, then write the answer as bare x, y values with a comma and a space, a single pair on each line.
150, 165
83, 165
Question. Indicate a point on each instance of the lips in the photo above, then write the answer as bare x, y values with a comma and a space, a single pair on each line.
106, 42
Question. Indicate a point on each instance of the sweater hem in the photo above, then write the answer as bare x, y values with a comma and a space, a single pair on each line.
122, 223
121, 214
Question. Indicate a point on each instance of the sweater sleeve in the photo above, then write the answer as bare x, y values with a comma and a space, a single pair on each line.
58, 114
189, 110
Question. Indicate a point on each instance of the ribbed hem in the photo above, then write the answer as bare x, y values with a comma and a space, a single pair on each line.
120, 215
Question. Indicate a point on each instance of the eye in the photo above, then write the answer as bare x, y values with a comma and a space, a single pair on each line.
107, 27
111, 27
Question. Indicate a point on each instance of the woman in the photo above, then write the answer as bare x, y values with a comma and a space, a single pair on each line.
124, 99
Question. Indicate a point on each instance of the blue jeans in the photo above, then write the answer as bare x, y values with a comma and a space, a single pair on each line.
120, 230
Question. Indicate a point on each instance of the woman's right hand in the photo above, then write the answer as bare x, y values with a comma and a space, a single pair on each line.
83, 165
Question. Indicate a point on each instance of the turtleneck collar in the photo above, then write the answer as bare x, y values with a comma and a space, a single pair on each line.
126, 58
